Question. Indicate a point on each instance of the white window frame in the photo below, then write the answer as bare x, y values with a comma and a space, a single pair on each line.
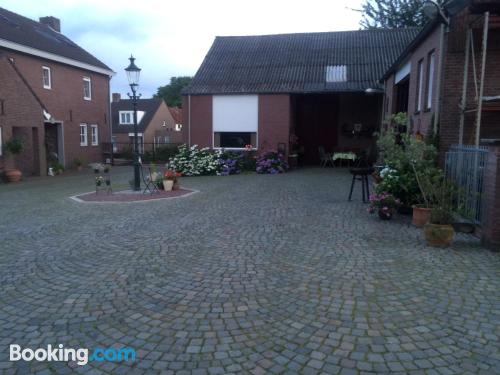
123, 114
94, 135
430, 78
89, 96
420, 92
85, 140
49, 85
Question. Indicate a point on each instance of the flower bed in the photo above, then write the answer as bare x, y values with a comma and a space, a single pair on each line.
272, 163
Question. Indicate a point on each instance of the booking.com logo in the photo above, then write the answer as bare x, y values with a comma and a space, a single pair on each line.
61, 354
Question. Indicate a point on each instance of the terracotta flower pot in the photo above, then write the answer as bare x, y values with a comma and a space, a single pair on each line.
439, 235
13, 175
168, 185
421, 216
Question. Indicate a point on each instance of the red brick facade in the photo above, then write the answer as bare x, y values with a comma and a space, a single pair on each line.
20, 117
420, 121
274, 122
65, 102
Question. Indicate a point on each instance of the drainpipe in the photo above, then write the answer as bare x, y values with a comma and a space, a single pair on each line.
438, 99
189, 120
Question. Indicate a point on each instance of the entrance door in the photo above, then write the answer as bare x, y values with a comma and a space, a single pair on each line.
54, 146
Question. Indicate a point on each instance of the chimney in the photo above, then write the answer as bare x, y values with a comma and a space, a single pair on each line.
53, 22
116, 97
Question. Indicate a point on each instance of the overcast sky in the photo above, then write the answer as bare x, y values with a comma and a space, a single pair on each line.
171, 38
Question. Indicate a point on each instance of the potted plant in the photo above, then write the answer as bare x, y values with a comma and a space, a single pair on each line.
384, 204
13, 146
170, 180
438, 231
78, 163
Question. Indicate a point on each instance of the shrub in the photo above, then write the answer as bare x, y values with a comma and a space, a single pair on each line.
230, 163
403, 154
272, 163
162, 153
192, 161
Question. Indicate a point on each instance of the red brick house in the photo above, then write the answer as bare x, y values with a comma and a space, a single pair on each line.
321, 89
155, 123
56, 96
438, 86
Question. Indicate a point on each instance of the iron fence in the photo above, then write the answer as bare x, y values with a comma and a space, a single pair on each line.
122, 152
465, 166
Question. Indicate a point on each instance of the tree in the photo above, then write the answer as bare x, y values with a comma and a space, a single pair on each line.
392, 14
171, 93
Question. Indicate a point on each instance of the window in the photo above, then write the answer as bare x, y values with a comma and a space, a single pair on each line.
126, 117
94, 134
430, 78
235, 120
420, 85
336, 73
234, 139
87, 88
46, 78
83, 135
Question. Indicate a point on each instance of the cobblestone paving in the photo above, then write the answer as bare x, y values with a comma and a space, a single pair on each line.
254, 274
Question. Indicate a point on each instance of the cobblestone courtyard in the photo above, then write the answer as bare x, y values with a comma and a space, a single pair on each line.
253, 274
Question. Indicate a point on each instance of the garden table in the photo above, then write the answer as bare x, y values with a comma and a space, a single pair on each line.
349, 156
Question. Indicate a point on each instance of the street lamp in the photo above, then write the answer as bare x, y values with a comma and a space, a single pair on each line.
133, 73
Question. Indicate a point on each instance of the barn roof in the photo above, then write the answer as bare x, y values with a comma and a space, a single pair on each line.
296, 63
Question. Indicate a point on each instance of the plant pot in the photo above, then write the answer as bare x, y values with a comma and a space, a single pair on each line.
421, 216
438, 235
79, 168
384, 215
13, 175
168, 185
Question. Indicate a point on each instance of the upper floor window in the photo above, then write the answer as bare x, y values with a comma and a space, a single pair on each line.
94, 135
126, 117
420, 85
87, 88
430, 78
46, 77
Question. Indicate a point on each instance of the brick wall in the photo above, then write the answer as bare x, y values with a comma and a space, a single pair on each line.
64, 101
198, 128
274, 121
21, 114
491, 227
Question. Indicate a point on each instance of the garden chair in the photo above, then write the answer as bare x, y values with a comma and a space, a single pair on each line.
147, 178
324, 158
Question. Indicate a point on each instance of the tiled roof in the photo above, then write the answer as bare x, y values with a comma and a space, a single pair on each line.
295, 63
149, 106
21, 30
176, 113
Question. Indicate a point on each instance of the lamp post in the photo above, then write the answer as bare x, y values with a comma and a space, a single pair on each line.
133, 73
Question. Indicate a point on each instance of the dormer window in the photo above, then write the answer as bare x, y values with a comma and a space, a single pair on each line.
126, 117
46, 78
336, 73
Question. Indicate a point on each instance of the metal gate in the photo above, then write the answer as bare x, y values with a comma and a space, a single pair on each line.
465, 166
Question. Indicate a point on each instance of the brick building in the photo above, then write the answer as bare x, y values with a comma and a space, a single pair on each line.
156, 124
56, 96
427, 82
320, 89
